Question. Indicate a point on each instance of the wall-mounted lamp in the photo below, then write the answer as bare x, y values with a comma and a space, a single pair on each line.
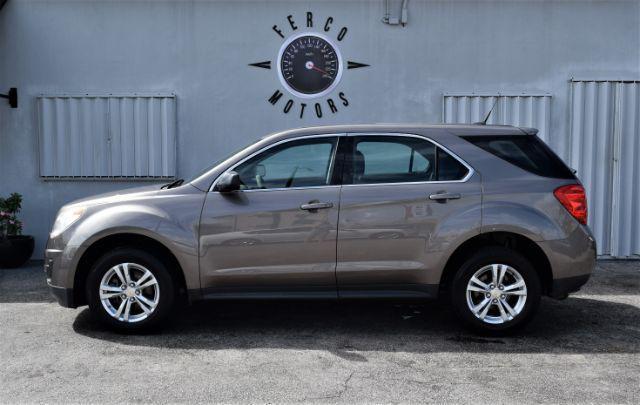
12, 96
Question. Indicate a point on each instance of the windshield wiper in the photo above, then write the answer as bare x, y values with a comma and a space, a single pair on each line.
173, 184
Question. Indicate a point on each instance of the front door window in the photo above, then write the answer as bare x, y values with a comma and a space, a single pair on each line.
303, 163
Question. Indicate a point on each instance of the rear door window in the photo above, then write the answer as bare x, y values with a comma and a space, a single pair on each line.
527, 152
378, 159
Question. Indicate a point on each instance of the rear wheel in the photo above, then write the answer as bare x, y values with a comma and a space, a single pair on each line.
130, 290
497, 290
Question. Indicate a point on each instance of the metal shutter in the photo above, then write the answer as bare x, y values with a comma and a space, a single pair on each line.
522, 110
129, 136
605, 151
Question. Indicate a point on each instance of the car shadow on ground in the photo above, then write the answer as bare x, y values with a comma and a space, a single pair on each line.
576, 325
590, 323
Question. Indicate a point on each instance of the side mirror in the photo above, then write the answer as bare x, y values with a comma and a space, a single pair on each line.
228, 182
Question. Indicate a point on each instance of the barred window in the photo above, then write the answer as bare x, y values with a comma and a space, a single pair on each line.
129, 136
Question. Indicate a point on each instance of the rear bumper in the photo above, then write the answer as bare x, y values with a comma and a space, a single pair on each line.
64, 296
562, 287
572, 261
573, 256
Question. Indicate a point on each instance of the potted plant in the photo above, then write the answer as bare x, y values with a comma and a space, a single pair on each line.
15, 248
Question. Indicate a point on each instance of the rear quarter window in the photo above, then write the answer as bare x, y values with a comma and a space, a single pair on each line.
527, 152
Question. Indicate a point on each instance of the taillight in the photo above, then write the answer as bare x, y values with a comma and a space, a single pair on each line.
574, 199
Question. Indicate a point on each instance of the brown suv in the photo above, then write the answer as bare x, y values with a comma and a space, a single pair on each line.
486, 214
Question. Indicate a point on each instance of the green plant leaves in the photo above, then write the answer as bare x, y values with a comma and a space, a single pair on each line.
9, 208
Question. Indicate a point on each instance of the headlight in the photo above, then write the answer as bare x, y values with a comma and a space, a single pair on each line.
66, 217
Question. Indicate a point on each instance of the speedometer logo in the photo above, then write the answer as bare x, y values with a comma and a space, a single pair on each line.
309, 66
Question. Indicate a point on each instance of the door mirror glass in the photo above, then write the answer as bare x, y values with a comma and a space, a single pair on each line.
228, 182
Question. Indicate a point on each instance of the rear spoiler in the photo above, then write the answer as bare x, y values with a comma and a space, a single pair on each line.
529, 131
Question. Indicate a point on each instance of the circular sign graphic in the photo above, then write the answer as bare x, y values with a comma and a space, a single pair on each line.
309, 65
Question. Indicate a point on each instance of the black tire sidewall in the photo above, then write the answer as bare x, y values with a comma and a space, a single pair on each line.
476, 262
153, 264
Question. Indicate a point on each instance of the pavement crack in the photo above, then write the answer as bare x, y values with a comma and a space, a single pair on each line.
337, 395
345, 384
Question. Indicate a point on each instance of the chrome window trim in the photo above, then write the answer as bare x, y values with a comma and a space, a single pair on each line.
280, 142
470, 173
285, 188
406, 183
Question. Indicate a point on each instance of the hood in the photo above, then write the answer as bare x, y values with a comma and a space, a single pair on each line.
118, 195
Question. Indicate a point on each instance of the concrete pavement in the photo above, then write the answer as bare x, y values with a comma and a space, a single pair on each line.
583, 349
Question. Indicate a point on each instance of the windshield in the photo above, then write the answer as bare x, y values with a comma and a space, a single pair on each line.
211, 166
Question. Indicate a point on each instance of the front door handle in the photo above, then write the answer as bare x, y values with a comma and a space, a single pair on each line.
444, 196
315, 205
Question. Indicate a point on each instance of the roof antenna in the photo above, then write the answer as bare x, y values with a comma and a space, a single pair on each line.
486, 118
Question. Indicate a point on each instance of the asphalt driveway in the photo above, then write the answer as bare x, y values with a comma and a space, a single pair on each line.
583, 349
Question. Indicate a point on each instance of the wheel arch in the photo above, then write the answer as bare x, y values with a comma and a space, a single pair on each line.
517, 242
113, 241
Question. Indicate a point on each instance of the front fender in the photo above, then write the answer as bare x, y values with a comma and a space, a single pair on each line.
109, 220
178, 234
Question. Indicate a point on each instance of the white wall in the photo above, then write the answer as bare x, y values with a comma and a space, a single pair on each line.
200, 51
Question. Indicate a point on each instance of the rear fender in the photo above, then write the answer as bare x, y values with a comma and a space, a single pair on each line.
501, 216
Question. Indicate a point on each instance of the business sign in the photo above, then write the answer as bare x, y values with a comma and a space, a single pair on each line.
309, 65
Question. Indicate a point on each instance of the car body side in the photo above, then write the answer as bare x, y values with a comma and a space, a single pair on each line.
507, 205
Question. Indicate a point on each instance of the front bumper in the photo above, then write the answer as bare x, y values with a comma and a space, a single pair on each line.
56, 274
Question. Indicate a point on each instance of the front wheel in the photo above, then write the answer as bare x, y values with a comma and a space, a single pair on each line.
130, 290
496, 291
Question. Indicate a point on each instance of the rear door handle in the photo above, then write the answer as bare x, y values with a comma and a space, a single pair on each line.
312, 206
445, 196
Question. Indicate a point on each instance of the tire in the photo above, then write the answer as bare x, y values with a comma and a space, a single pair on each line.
510, 305
157, 297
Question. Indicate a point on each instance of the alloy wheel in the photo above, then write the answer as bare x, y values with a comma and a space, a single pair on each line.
496, 293
129, 292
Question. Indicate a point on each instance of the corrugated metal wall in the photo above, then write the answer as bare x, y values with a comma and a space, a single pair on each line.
107, 136
605, 151
524, 110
